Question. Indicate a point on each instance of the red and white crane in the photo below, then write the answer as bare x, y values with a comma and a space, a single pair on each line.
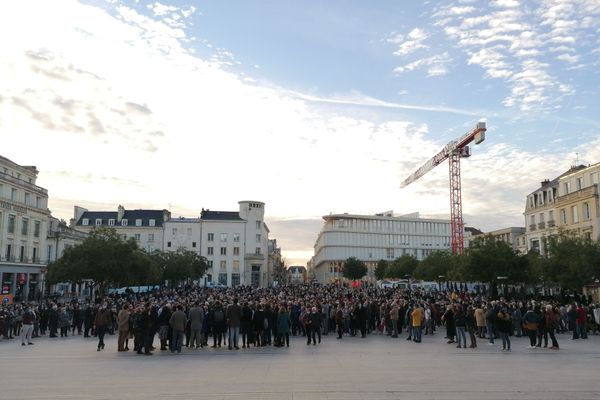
453, 151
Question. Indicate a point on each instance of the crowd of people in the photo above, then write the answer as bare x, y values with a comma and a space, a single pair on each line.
195, 318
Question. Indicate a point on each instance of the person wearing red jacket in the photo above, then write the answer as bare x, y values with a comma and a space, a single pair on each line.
581, 321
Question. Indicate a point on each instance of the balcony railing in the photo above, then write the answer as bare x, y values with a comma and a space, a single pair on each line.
532, 227
542, 225
551, 223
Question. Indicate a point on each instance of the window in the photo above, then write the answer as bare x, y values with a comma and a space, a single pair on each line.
223, 238
574, 214
24, 226
236, 265
85, 222
563, 216
13, 194
98, 221
168, 244
137, 236
236, 237
258, 225
533, 220
209, 263
27, 198
257, 251
550, 199
138, 222
236, 251
389, 253
36, 229
151, 237
223, 251
194, 244
34, 257
223, 278
152, 222
579, 183
111, 222
22, 254
174, 231
567, 187
586, 212
551, 215
8, 251
258, 238
11, 223
223, 264
542, 217
209, 251
235, 279
123, 222
211, 237
38, 202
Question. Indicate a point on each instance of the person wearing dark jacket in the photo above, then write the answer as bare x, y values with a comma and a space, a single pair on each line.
53, 321
164, 330
471, 325
504, 324
103, 319
448, 319
217, 323
234, 316
312, 322
460, 321
258, 323
246, 325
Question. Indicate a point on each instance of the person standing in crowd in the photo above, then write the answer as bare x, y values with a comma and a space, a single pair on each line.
196, 318
339, 321
531, 322
88, 320
581, 322
517, 318
471, 325
394, 314
234, 315
123, 327
460, 321
480, 320
417, 319
504, 328
552, 324
53, 321
164, 330
77, 319
246, 325
177, 323
27, 321
490, 322
64, 321
283, 327
448, 319
217, 323
102, 322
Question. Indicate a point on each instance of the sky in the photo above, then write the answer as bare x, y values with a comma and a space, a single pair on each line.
312, 107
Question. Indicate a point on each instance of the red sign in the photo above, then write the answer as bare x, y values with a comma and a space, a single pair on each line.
5, 289
21, 279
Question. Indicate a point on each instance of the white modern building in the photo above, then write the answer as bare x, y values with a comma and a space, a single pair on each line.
371, 238
145, 226
24, 217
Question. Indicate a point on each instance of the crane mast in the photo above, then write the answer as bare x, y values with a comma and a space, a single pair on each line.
453, 151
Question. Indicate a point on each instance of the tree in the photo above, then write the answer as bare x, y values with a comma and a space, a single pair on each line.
382, 266
104, 258
573, 261
180, 265
488, 258
435, 267
354, 269
402, 267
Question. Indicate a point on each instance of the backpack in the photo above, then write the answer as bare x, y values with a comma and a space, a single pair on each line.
219, 316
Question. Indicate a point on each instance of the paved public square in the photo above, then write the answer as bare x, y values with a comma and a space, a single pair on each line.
353, 368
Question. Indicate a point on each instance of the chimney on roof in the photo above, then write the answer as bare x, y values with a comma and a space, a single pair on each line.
120, 213
545, 182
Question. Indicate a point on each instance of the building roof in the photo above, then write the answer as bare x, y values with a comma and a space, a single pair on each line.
130, 215
208, 215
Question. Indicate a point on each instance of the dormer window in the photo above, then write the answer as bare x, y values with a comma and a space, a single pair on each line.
123, 222
152, 222
111, 222
138, 222
85, 222
98, 221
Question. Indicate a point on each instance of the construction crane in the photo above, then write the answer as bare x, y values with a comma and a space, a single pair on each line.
453, 151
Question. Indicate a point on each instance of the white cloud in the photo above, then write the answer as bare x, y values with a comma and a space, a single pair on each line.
413, 42
436, 65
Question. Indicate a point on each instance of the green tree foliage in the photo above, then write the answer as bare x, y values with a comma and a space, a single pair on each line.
402, 267
382, 266
437, 264
573, 261
179, 265
354, 269
488, 258
104, 258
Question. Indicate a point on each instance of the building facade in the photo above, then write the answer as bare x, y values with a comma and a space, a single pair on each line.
569, 203
235, 244
145, 226
371, 238
512, 236
297, 275
24, 218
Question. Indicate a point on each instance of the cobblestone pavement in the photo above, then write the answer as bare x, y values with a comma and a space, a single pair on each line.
352, 368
